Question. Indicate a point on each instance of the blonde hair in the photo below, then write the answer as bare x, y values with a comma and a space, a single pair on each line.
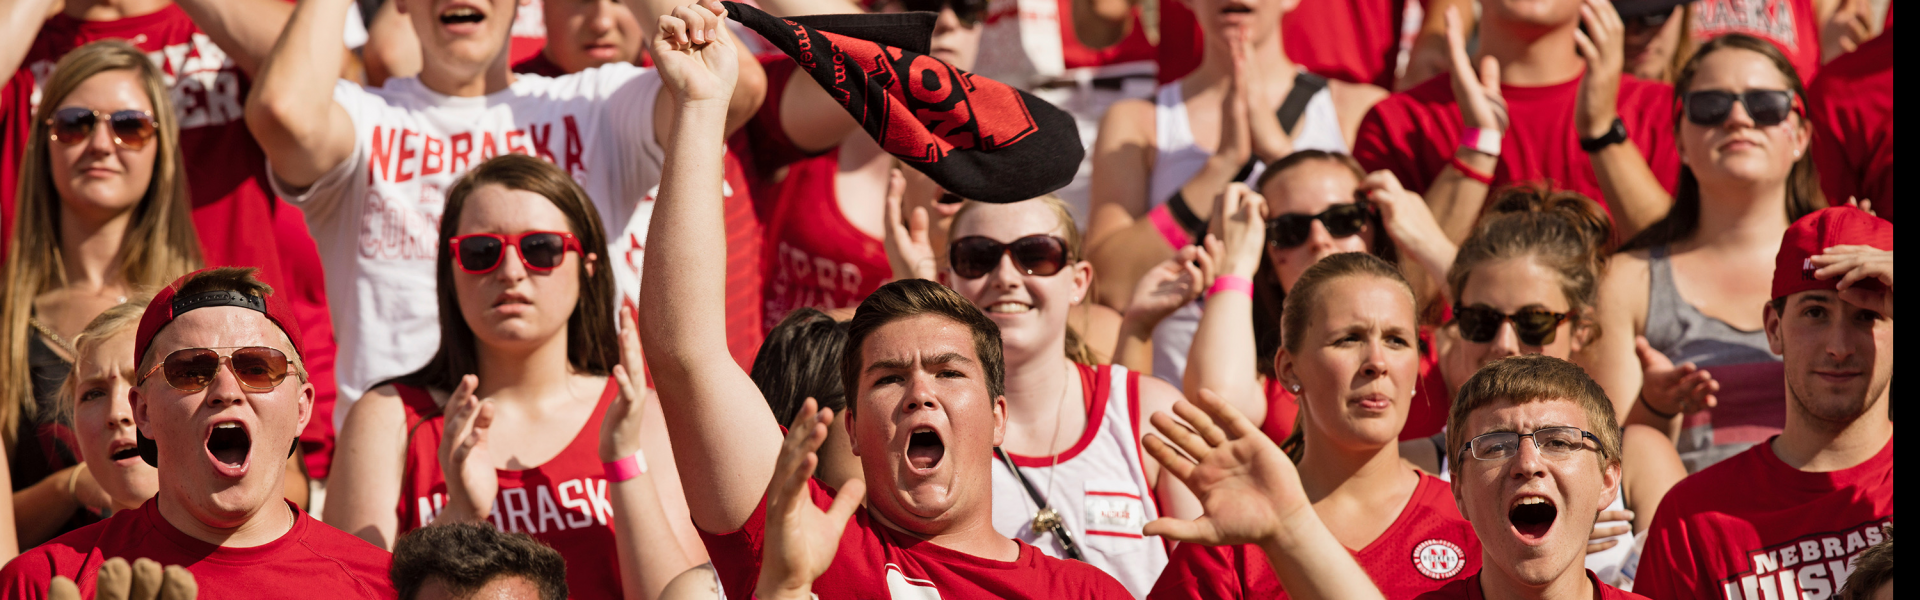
160, 244
1077, 348
119, 319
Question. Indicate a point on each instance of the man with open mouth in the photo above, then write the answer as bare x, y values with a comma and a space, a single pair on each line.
220, 400
1536, 458
1790, 515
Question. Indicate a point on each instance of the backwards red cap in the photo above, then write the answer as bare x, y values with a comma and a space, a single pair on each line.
1813, 234
169, 305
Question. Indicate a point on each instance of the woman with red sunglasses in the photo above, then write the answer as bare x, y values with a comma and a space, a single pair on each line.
525, 416
101, 212
1684, 348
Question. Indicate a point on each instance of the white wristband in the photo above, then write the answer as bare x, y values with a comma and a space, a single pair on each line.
1484, 141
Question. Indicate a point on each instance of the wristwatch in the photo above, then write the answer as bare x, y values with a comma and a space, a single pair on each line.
1615, 134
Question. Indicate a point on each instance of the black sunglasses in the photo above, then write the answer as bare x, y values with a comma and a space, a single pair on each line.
970, 12
1710, 108
974, 256
1342, 220
1534, 326
132, 129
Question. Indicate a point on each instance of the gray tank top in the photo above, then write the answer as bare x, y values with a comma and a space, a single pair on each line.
1752, 397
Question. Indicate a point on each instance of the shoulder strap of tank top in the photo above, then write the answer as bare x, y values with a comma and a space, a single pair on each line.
1305, 86
1059, 531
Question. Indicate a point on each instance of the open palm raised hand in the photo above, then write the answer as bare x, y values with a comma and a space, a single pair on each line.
696, 61
465, 460
801, 538
1249, 488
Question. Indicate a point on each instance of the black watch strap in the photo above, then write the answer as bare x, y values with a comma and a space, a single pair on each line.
1615, 134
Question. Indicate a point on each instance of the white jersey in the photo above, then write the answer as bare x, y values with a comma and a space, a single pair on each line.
1178, 159
1099, 486
376, 216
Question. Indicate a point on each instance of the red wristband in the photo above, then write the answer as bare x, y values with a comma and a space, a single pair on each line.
632, 466
1468, 171
1231, 283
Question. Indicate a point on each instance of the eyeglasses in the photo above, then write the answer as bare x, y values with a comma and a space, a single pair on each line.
1554, 442
481, 253
73, 125
970, 12
974, 256
1342, 220
258, 368
1710, 108
1534, 326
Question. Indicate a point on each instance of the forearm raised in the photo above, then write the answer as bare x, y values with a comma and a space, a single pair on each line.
1312, 564
20, 22
650, 555
245, 29
1457, 199
1223, 357
1632, 192
291, 111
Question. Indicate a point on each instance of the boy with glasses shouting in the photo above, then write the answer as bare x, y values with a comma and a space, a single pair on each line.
221, 397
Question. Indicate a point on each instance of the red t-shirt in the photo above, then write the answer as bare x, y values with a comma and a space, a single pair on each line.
1469, 589
814, 256
1785, 532
1792, 26
563, 503
1415, 133
1428, 545
1851, 106
313, 560
226, 175
874, 561
1349, 40
1133, 47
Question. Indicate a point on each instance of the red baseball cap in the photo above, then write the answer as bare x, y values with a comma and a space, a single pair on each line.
169, 305
1813, 234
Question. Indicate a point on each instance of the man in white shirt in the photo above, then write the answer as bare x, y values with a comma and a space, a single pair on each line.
369, 166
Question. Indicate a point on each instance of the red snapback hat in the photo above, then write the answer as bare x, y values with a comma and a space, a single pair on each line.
1813, 234
169, 305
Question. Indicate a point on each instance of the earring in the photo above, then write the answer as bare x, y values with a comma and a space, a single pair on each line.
1296, 388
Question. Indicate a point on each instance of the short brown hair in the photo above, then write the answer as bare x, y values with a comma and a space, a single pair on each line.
467, 556
913, 297
1533, 378
1871, 569
1563, 231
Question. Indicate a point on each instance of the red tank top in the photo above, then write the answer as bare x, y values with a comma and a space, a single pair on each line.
562, 503
815, 257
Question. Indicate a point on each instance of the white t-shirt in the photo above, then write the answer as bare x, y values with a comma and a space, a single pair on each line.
376, 216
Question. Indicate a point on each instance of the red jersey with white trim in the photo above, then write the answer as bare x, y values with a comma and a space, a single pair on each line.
226, 175
563, 503
1427, 546
1850, 106
1098, 486
1787, 532
875, 561
1469, 589
1792, 26
312, 560
1415, 133
814, 256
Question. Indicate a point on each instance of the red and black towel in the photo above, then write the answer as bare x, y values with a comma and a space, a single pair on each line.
977, 137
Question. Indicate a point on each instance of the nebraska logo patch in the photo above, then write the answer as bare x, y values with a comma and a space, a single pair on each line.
1439, 559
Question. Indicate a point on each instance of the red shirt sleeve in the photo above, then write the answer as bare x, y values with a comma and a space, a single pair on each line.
15, 124
1383, 143
736, 555
1195, 571
1667, 567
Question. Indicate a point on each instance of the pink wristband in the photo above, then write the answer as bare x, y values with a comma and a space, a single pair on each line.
1231, 283
626, 468
1163, 222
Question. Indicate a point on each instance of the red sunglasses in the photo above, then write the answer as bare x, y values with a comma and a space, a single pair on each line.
481, 253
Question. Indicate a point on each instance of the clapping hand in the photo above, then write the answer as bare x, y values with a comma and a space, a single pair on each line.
908, 241
1603, 45
1481, 105
144, 580
1238, 231
1249, 488
465, 461
620, 427
1170, 285
801, 539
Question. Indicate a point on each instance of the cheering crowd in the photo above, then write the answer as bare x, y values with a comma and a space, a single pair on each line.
690, 299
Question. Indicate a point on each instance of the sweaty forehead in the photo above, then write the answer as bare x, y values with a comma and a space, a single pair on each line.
1505, 415
917, 338
219, 327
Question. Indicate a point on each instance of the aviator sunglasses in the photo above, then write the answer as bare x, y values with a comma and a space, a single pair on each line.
481, 253
73, 125
258, 368
1534, 326
1342, 220
974, 256
1710, 108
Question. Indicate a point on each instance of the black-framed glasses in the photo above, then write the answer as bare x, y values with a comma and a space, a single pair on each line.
1534, 326
1710, 108
1342, 220
970, 12
132, 129
974, 256
1552, 442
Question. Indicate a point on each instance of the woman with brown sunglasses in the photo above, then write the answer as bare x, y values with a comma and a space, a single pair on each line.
101, 212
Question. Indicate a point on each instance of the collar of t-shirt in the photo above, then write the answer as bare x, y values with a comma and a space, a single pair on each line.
204, 551
1781, 474
1606, 592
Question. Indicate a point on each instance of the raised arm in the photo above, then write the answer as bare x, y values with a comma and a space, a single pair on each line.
650, 555
1631, 190
719, 423
750, 86
20, 22
247, 29
291, 111
1222, 358
1456, 198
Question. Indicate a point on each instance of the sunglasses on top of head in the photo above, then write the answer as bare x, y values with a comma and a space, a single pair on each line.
190, 370
1342, 220
1533, 325
974, 256
481, 253
1710, 108
970, 12
131, 129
